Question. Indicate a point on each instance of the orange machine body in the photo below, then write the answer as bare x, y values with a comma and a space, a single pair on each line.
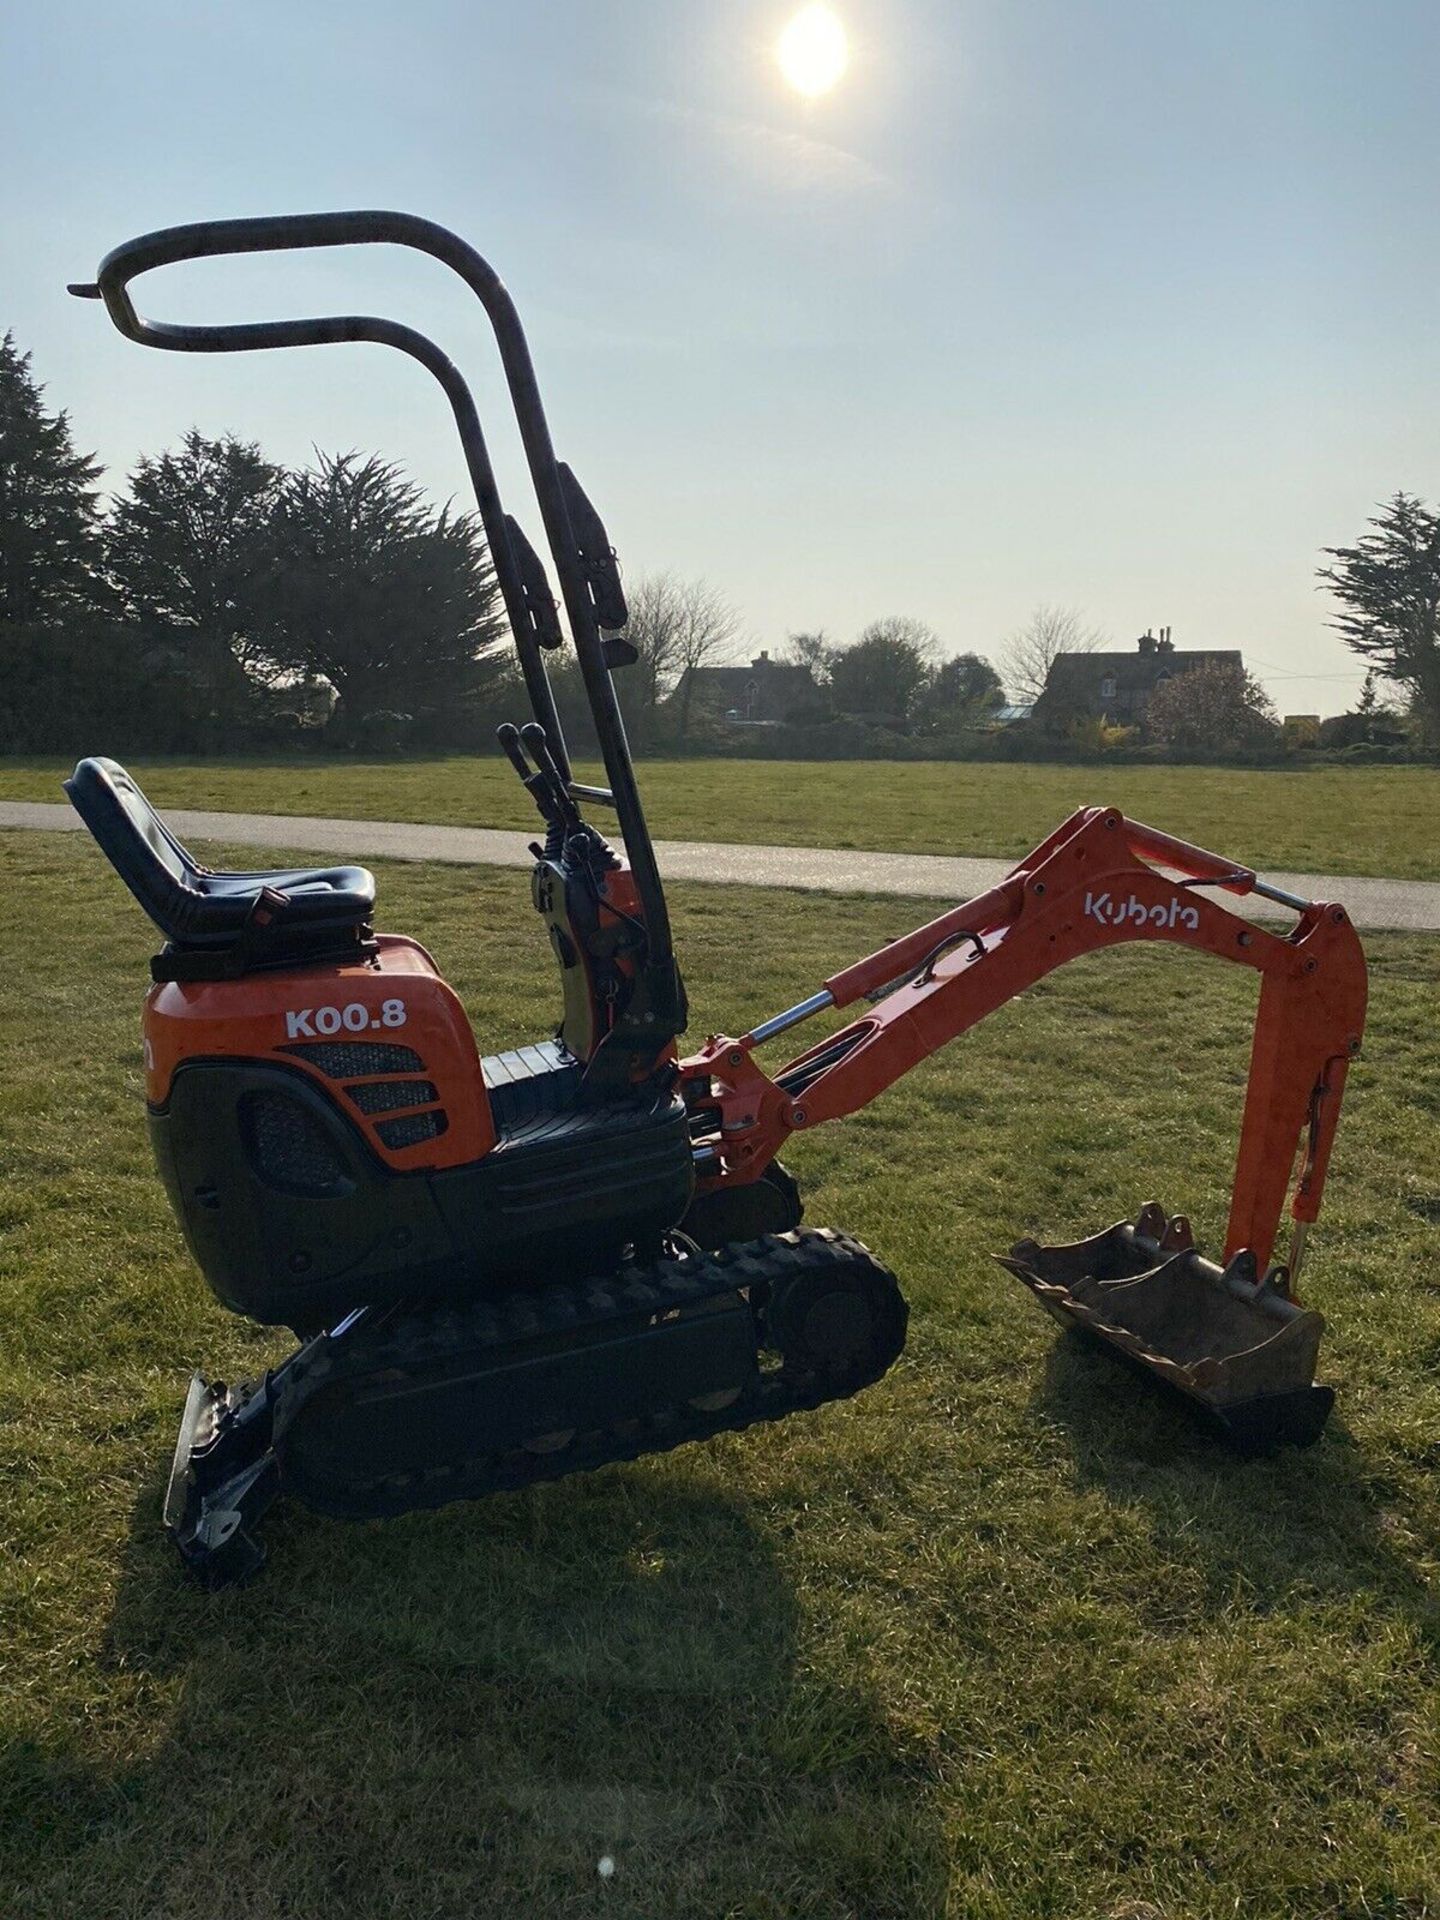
385, 1037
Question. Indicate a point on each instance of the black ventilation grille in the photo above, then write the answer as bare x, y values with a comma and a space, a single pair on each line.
288, 1147
385, 1096
411, 1129
352, 1059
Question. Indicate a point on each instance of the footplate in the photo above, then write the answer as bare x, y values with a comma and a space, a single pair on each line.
1230, 1339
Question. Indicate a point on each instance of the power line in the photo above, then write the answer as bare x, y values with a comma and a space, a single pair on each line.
1277, 672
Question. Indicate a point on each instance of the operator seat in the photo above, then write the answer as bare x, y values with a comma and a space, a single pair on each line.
218, 925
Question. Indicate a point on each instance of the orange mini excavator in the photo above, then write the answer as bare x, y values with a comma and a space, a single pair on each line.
503, 1269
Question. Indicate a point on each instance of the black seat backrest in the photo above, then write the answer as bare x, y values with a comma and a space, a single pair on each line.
277, 914
136, 841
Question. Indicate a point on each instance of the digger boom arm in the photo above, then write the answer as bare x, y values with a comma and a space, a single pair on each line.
1097, 881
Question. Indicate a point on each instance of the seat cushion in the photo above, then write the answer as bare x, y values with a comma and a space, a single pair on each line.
192, 906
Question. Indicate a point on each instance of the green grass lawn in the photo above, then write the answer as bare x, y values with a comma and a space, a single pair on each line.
1006, 1636
1356, 820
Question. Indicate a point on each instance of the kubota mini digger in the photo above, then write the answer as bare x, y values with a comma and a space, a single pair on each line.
506, 1269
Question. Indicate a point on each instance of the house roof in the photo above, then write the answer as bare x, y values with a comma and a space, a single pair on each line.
1121, 684
737, 680
1134, 672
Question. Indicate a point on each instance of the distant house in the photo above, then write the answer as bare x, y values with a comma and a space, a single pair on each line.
761, 694
1117, 686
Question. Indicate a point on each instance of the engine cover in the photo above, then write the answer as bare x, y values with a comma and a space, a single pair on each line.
385, 1037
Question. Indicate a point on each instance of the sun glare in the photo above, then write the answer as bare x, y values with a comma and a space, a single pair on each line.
813, 51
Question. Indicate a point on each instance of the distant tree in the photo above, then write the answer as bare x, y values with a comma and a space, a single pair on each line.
1375, 720
187, 548
963, 691
1381, 712
677, 626
1388, 585
93, 685
392, 603
885, 673
812, 650
1214, 708
1027, 656
49, 521
1352, 729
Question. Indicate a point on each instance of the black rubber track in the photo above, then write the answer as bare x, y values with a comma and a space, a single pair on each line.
765, 1270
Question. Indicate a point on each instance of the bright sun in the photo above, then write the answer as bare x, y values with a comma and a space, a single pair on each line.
813, 51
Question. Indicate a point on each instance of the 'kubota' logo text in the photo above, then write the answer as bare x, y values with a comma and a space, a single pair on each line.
1134, 913
305, 1022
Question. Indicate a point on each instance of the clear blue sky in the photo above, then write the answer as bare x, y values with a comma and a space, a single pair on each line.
1121, 304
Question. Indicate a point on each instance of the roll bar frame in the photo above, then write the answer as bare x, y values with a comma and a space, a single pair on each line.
210, 239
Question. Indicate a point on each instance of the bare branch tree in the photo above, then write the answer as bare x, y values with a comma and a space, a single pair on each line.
677, 626
1028, 654
812, 650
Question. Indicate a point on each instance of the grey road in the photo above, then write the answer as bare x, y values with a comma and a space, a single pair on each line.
1408, 905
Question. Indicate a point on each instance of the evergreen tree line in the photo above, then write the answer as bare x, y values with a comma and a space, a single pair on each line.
220, 601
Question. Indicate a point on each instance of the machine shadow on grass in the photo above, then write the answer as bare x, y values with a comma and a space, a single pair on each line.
473, 1706
1294, 1520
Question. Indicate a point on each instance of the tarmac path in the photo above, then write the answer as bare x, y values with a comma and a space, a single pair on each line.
1377, 904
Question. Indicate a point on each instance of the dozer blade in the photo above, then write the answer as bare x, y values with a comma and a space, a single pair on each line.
1231, 1340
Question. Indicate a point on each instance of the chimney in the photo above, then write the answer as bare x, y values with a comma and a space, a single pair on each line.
1146, 642
762, 661
1167, 645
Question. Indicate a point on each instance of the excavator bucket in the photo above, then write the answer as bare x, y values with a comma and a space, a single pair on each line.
1229, 1338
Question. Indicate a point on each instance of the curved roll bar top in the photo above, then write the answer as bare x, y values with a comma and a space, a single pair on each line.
509, 552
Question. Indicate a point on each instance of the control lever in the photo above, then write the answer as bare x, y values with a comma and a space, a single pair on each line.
538, 747
553, 805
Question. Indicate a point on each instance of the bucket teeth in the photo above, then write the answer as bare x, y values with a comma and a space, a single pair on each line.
1229, 1338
